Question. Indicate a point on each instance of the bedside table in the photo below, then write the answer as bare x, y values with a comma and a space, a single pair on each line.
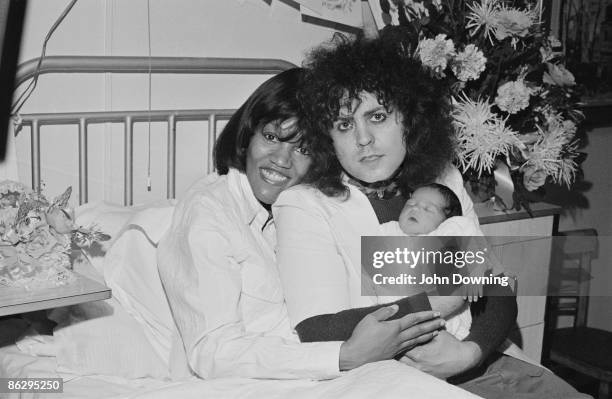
17, 300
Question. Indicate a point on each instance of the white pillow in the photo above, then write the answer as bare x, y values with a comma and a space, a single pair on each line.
130, 270
102, 338
110, 219
131, 335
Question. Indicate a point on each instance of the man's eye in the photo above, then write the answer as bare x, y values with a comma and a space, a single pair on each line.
378, 117
269, 136
303, 151
344, 126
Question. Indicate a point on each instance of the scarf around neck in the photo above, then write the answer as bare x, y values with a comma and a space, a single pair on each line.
385, 189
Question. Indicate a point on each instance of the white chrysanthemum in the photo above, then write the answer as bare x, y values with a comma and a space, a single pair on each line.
570, 127
556, 150
514, 23
483, 16
545, 155
560, 130
513, 96
481, 135
435, 53
469, 64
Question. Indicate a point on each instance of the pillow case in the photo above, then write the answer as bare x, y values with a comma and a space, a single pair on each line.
102, 338
131, 335
130, 270
110, 219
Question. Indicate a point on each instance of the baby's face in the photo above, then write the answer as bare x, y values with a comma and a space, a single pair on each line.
423, 212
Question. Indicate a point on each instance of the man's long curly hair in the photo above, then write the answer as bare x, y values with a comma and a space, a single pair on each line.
385, 68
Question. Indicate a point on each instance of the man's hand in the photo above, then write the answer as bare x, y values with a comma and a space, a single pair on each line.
444, 356
374, 338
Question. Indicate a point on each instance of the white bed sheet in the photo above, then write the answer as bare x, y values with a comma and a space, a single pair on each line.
381, 380
16, 364
388, 379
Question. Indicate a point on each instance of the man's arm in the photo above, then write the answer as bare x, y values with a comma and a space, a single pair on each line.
492, 318
339, 326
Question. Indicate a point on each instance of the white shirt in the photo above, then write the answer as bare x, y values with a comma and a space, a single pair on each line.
218, 268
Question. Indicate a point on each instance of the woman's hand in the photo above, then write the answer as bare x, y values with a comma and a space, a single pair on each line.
444, 356
374, 338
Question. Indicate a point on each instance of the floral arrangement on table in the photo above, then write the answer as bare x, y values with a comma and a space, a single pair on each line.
515, 104
36, 237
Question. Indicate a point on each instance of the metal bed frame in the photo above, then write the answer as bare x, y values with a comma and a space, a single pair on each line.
142, 65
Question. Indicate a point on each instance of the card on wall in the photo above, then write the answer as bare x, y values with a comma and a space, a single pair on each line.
342, 12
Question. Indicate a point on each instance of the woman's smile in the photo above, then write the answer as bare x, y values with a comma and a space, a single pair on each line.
272, 176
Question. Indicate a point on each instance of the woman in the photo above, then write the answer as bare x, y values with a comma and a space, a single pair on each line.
217, 261
384, 125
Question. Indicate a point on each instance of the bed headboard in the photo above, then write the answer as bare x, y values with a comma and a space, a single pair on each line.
138, 65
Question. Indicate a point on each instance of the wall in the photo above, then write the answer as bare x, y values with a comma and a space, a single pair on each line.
193, 28
596, 213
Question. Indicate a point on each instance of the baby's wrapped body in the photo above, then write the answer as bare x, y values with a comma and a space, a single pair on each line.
445, 295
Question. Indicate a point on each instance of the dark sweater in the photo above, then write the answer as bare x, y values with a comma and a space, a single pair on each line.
492, 317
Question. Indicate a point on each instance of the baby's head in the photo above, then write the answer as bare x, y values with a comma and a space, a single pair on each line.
427, 207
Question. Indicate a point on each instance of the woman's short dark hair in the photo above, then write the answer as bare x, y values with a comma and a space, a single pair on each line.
274, 100
277, 99
453, 205
385, 68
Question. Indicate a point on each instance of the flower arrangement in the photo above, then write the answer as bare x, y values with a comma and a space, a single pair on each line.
515, 104
36, 237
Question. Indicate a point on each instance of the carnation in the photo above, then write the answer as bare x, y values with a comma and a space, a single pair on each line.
513, 97
469, 64
435, 53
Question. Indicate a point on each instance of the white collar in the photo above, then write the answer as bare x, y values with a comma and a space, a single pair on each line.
251, 210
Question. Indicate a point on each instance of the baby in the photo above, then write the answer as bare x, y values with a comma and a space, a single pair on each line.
435, 210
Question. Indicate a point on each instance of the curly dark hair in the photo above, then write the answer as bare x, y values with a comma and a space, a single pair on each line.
385, 68
277, 99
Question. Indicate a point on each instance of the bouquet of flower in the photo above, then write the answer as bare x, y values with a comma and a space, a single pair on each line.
515, 104
36, 237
